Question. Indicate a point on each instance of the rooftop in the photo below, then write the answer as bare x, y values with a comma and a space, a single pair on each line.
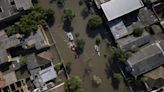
99, 2
11, 7
156, 29
117, 8
7, 9
47, 74
146, 59
37, 39
36, 61
131, 42
10, 78
156, 73
118, 28
6, 43
24, 4
146, 16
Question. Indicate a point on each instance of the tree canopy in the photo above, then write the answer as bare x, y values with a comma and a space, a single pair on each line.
74, 84
27, 24
23, 60
119, 55
68, 14
95, 21
12, 30
118, 76
37, 16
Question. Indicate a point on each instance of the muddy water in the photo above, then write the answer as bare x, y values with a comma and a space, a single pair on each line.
78, 66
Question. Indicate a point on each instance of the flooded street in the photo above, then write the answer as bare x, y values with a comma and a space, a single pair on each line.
99, 64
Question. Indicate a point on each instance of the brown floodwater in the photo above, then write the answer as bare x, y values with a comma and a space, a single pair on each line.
98, 63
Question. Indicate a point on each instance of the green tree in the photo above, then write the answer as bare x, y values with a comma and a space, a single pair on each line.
37, 16
27, 24
119, 55
12, 30
118, 76
23, 60
68, 14
98, 40
138, 32
57, 67
68, 67
74, 84
80, 44
95, 21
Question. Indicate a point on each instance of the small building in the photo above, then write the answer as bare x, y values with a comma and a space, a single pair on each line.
36, 39
36, 63
47, 74
131, 42
146, 16
44, 77
146, 59
6, 43
10, 78
42, 71
118, 29
156, 29
155, 78
10, 9
116, 8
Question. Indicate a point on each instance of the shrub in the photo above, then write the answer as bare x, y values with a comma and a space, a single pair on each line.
74, 84
95, 21
80, 43
12, 30
68, 14
119, 55
57, 67
98, 40
23, 60
118, 76
138, 32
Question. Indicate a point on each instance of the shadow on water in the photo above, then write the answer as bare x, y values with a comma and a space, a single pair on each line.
67, 26
85, 13
112, 68
51, 21
92, 33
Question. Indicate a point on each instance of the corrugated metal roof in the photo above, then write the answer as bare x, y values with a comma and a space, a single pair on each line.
117, 8
131, 42
48, 74
146, 59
